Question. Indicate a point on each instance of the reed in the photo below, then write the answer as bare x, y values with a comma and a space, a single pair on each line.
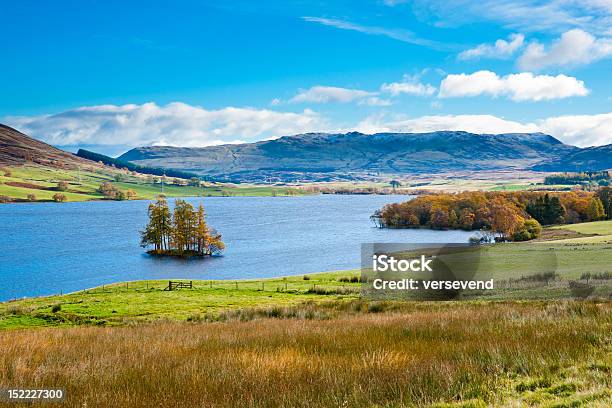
358, 355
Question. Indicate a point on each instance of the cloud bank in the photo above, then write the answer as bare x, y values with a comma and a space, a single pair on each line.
326, 94
175, 124
574, 47
179, 124
578, 130
518, 87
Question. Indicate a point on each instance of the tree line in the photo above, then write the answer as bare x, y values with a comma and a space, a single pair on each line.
180, 232
514, 216
600, 178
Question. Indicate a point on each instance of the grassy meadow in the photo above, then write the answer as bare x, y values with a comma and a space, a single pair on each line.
83, 185
347, 354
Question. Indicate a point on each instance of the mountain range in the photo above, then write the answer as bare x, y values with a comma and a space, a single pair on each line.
337, 156
354, 156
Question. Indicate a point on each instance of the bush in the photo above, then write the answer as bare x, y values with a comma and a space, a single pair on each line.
31, 197
530, 229
108, 190
5, 199
352, 279
6, 171
56, 308
376, 307
306, 277
59, 197
62, 186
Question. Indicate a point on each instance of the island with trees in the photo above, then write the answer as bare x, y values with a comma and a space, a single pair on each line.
182, 232
511, 216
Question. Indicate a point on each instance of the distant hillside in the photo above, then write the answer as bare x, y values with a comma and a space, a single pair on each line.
322, 156
110, 161
16, 148
589, 159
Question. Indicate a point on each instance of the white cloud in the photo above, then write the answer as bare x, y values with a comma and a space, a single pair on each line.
175, 124
501, 49
518, 87
375, 101
523, 15
579, 130
398, 34
468, 123
574, 47
409, 85
326, 94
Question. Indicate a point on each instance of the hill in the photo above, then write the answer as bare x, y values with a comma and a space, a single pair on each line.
31, 170
328, 157
17, 148
590, 159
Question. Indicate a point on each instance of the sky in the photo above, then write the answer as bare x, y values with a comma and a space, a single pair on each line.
112, 75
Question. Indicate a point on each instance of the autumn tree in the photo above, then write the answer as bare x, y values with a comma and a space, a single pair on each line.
157, 231
184, 233
59, 197
504, 219
466, 219
183, 226
596, 209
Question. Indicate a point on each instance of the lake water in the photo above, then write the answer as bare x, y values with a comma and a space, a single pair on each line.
51, 248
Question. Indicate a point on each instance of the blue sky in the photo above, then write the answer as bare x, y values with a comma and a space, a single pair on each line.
112, 75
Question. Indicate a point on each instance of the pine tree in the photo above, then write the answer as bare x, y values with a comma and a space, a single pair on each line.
605, 195
554, 211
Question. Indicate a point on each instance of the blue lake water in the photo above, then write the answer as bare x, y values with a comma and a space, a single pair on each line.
51, 248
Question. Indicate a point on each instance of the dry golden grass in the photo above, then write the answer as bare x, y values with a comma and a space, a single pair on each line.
407, 355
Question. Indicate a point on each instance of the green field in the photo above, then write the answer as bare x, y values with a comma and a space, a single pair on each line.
83, 185
146, 300
597, 227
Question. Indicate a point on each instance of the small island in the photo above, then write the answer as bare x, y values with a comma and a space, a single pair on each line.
184, 233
